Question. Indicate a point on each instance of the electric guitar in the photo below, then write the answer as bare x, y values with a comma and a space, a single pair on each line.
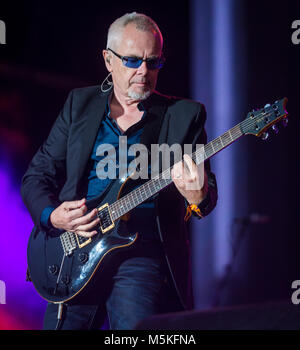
63, 265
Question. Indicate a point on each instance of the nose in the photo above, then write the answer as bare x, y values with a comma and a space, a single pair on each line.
143, 68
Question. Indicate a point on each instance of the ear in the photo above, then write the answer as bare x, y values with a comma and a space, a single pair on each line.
107, 60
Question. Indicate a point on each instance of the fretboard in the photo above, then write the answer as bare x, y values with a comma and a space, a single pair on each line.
162, 180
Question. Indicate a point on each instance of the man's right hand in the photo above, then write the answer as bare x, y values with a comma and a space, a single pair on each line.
71, 216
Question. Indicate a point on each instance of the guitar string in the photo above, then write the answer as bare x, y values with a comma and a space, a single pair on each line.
132, 199
157, 183
232, 134
135, 197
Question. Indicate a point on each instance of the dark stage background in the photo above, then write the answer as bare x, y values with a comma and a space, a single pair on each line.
54, 46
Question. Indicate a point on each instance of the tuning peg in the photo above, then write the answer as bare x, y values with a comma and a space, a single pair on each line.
264, 136
275, 128
285, 122
267, 105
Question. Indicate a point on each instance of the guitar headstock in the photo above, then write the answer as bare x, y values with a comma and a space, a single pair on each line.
258, 122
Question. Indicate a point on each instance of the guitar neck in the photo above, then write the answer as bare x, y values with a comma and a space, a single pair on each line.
162, 180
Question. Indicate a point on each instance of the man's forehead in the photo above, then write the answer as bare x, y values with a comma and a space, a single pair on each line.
137, 40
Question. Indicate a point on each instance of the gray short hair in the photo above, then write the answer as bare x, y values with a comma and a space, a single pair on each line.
142, 22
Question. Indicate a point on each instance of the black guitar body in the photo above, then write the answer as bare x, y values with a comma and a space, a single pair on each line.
59, 277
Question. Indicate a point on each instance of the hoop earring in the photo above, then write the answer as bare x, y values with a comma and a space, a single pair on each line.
106, 82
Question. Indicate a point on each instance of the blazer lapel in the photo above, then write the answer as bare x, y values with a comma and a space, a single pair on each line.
153, 132
156, 109
86, 139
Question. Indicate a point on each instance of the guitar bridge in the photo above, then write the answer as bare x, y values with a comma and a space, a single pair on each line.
106, 222
68, 242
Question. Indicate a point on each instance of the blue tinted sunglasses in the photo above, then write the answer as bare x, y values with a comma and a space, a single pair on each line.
135, 62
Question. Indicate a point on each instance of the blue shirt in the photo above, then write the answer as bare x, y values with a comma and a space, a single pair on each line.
106, 154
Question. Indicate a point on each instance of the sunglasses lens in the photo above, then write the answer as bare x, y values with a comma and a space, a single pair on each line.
155, 63
132, 62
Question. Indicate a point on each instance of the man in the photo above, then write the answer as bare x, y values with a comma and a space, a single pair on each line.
63, 175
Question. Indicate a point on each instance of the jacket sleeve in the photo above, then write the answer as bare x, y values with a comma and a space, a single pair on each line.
197, 135
46, 173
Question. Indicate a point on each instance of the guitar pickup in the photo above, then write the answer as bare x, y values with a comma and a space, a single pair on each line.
106, 222
82, 241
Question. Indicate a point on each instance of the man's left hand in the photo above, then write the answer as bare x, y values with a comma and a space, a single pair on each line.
190, 180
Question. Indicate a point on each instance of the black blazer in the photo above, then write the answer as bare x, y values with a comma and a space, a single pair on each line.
55, 173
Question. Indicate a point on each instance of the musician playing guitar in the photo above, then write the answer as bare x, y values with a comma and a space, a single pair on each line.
153, 274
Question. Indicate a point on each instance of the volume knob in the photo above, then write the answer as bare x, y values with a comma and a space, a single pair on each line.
53, 269
66, 279
83, 257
